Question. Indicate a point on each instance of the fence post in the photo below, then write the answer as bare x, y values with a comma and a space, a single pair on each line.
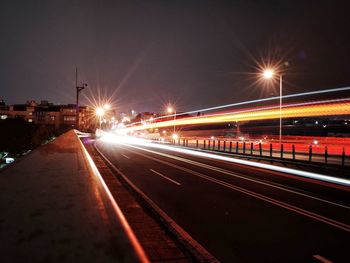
209, 144
236, 147
204, 144
270, 149
231, 146
343, 157
186, 142
196, 143
213, 144
178, 141
243, 147
293, 151
224, 146
310, 153
260, 149
251, 148
325, 154
281, 150
183, 142
218, 145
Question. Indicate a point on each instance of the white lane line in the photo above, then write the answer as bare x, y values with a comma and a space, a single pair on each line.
220, 170
332, 181
322, 259
127, 157
270, 200
193, 244
165, 177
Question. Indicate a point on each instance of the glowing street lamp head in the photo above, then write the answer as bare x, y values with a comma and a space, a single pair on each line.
100, 111
170, 109
175, 136
268, 73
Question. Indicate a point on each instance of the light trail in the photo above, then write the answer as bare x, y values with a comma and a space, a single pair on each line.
126, 140
267, 99
298, 110
317, 92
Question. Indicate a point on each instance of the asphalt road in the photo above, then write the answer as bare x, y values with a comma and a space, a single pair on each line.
240, 213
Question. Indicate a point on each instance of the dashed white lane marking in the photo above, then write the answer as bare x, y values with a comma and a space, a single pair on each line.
127, 157
270, 200
165, 177
322, 259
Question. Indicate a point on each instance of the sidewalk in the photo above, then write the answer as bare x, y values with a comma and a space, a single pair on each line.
54, 210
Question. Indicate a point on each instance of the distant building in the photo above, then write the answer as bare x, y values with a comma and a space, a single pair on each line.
45, 113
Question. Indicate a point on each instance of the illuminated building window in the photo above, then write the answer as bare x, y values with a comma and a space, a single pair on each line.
30, 120
69, 118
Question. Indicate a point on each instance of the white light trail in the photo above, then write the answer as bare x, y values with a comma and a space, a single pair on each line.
110, 138
256, 101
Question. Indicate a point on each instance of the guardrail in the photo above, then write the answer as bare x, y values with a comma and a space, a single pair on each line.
286, 151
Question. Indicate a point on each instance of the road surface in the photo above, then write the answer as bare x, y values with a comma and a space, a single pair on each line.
240, 213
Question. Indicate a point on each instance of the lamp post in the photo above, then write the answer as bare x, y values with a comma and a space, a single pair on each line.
100, 112
79, 89
171, 110
269, 74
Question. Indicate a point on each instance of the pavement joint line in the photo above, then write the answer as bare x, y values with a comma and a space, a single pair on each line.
129, 232
165, 177
276, 202
198, 251
322, 259
280, 187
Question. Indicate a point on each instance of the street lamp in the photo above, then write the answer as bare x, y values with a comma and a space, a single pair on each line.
100, 112
269, 74
170, 111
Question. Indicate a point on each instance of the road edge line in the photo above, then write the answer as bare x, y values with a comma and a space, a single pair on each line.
140, 253
195, 248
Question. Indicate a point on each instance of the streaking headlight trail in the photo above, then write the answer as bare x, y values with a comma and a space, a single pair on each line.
298, 110
111, 138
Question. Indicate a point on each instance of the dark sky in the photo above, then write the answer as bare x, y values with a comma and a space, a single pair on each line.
146, 53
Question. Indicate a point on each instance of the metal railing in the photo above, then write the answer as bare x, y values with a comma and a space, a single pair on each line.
271, 150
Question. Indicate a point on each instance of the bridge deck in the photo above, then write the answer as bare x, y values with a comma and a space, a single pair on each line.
53, 210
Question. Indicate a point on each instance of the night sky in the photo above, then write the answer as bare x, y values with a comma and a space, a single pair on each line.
146, 53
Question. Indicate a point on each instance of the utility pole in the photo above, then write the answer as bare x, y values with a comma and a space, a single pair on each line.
79, 89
